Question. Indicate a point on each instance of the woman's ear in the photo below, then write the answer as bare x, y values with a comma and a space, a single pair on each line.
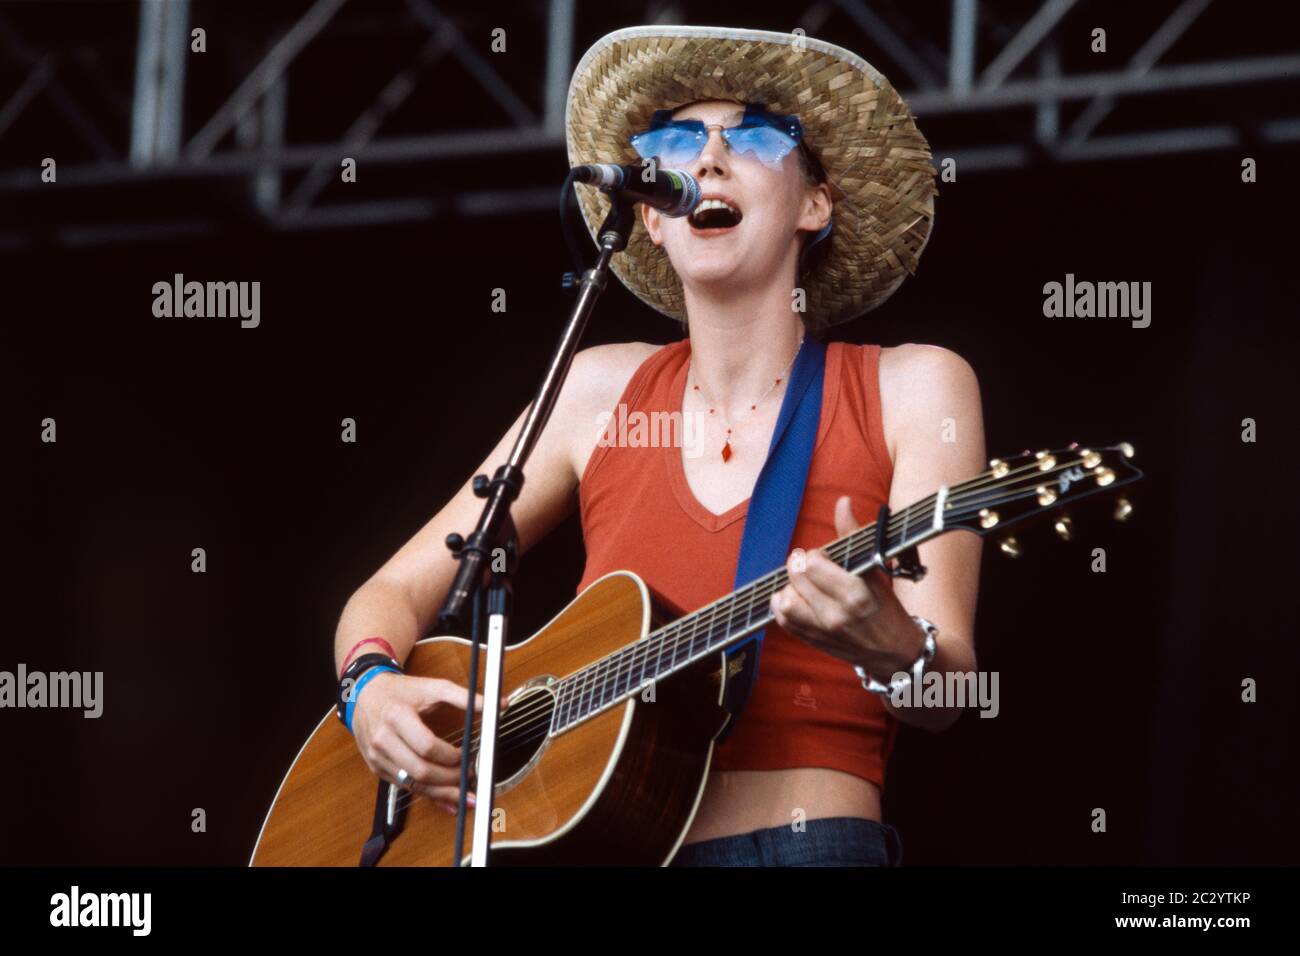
816, 208
650, 219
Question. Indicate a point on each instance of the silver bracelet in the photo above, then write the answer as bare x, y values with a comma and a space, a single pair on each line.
901, 681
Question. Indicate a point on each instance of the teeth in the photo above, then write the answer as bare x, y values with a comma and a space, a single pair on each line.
715, 204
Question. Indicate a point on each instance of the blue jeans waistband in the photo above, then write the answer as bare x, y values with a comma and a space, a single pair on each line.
825, 841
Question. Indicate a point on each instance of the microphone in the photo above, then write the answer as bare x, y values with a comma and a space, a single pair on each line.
674, 192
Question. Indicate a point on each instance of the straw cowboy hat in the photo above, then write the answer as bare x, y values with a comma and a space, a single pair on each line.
876, 160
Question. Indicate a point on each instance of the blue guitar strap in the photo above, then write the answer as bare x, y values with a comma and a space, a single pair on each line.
774, 507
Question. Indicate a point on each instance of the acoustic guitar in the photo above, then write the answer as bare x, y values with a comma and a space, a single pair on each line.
611, 710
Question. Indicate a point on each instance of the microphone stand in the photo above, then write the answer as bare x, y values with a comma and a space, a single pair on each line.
495, 537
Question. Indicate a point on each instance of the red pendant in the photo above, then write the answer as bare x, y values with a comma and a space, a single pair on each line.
726, 451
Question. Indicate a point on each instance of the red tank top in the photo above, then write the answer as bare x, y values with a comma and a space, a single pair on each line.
807, 708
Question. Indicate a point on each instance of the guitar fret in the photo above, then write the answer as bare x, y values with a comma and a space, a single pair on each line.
565, 711
609, 681
712, 637
593, 688
718, 625
615, 677
659, 659
622, 673
705, 635
645, 658
607, 674
677, 650
589, 692
711, 623
625, 665
687, 634
574, 710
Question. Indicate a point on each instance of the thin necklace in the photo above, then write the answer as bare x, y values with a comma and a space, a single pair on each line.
726, 444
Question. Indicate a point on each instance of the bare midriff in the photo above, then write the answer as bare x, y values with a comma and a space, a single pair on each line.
738, 801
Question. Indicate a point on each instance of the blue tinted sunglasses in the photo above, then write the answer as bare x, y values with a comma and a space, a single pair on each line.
766, 136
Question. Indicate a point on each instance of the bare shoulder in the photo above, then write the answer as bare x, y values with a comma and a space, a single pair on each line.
921, 386
601, 372
596, 382
915, 364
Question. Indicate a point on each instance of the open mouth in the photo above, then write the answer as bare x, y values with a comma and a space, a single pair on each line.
715, 214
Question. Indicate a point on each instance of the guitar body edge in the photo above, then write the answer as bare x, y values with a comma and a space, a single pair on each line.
621, 788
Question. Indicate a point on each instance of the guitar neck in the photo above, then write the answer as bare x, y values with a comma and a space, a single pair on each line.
1009, 491
731, 619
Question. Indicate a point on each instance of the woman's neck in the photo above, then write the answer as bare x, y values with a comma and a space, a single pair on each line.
739, 346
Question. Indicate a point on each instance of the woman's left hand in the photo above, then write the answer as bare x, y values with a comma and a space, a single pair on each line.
857, 619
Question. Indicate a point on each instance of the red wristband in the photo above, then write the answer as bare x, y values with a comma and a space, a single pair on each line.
368, 640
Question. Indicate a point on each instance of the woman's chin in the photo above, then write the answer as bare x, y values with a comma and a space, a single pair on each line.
711, 274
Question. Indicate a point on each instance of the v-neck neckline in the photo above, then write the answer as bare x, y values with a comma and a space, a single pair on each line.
713, 521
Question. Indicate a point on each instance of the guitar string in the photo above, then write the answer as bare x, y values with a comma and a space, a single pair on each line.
764, 587
543, 710
926, 512
540, 728
847, 544
761, 589
769, 584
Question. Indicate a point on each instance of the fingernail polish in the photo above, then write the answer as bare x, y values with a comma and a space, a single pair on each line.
469, 800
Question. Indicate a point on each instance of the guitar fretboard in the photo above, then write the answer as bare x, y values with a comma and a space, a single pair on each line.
1018, 488
612, 679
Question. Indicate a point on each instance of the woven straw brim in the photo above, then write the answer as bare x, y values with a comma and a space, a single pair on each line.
854, 121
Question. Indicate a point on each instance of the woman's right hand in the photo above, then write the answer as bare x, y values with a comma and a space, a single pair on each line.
388, 723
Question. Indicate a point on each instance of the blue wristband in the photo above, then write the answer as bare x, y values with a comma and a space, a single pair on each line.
356, 690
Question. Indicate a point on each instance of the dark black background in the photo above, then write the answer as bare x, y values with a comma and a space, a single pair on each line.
1118, 690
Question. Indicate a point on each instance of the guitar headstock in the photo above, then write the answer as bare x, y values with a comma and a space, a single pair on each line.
1040, 485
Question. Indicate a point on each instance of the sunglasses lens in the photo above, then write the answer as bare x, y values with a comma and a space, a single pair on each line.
765, 143
766, 137
672, 145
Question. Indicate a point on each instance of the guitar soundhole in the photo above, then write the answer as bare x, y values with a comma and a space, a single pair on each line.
524, 725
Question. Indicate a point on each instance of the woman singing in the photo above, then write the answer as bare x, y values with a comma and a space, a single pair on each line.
818, 196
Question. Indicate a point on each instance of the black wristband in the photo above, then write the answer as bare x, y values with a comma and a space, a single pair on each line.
349, 679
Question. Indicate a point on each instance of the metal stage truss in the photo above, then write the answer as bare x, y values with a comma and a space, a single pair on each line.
995, 85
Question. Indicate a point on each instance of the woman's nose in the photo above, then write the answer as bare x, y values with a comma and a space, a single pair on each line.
713, 157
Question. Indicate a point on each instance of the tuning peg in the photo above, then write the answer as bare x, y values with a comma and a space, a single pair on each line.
1123, 508
1064, 527
988, 518
1000, 468
1010, 547
1126, 449
1045, 495
1046, 460
1089, 458
1104, 476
